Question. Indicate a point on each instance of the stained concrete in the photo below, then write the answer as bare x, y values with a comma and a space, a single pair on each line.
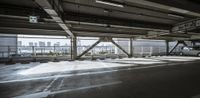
153, 77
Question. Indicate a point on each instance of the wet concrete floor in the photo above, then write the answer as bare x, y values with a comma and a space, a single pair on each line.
161, 80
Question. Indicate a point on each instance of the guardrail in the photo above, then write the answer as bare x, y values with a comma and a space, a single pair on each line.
38, 51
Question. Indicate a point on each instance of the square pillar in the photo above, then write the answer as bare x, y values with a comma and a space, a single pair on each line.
73, 48
167, 47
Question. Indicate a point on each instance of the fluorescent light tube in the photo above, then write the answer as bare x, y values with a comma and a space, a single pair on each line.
178, 10
109, 3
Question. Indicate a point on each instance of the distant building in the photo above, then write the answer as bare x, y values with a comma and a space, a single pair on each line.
19, 43
65, 44
57, 44
30, 43
48, 43
41, 43
35, 44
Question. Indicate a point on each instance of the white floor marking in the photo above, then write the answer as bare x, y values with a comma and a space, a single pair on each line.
87, 87
46, 93
61, 83
51, 83
58, 76
80, 74
68, 66
35, 95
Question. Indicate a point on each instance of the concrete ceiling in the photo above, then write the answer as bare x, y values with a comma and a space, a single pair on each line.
89, 18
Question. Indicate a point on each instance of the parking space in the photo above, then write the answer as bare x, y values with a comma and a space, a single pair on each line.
65, 78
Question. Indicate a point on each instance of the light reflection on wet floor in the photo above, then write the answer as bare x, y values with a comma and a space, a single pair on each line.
57, 83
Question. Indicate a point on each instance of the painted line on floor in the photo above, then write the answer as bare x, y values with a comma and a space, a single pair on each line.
61, 83
51, 83
80, 74
58, 76
87, 87
47, 93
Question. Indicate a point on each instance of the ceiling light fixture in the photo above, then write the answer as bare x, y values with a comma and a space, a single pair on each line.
176, 16
109, 3
178, 10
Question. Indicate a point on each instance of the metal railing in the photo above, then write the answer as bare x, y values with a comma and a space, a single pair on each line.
33, 51
37, 51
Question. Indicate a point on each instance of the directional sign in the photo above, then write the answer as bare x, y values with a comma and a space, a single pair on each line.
33, 19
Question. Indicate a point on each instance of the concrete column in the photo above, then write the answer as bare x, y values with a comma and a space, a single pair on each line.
9, 51
73, 48
33, 51
167, 47
87, 50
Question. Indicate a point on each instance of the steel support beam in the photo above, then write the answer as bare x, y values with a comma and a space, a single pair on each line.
167, 47
173, 48
55, 10
87, 50
183, 42
179, 42
118, 46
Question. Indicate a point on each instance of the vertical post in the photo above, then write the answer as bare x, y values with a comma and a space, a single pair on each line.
167, 47
33, 50
193, 43
44, 50
131, 47
151, 51
73, 48
9, 51
54, 49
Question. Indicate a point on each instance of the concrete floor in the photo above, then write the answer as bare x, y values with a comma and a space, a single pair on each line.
152, 77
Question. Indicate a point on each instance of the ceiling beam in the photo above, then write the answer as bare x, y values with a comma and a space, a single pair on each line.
187, 26
165, 7
81, 17
55, 10
30, 31
122, 11
115, 26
